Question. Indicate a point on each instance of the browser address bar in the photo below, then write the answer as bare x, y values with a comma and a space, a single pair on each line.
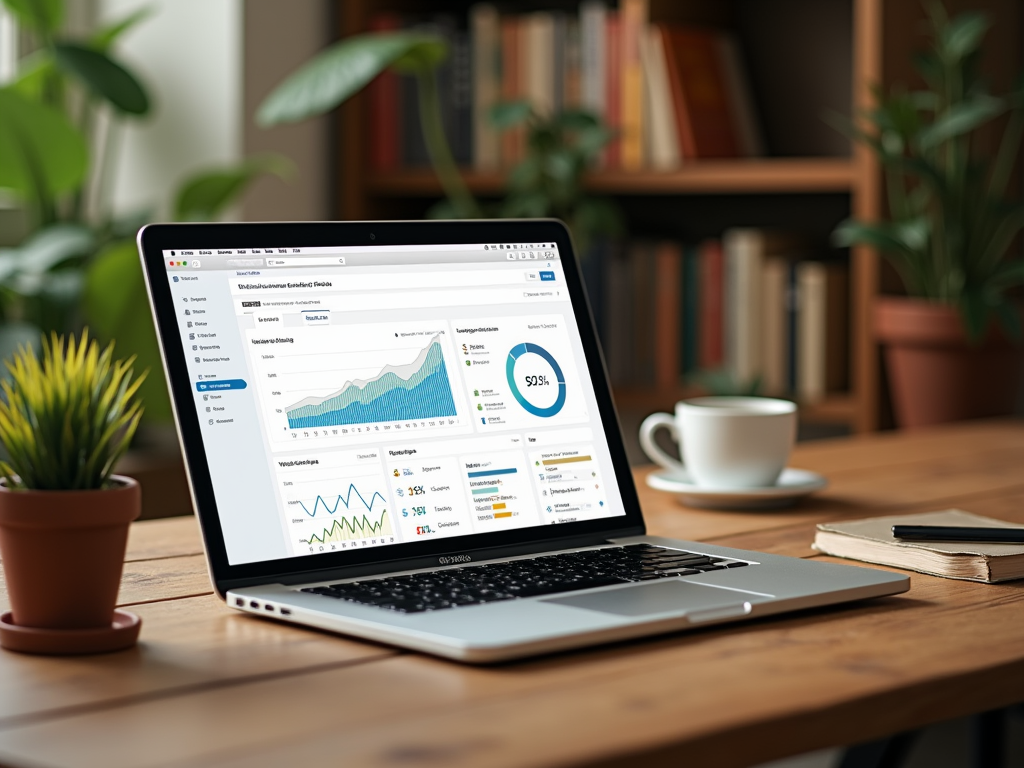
307, 261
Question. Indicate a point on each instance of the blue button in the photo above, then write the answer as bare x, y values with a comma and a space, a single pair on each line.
547, 275
211, 386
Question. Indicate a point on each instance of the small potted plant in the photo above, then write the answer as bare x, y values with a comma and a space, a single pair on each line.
65, 420
950, 344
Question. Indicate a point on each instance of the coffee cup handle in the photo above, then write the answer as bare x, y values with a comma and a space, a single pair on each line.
652, 449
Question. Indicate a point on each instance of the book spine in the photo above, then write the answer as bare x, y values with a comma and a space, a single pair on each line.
660, 135
571, 95
486, 73
792, 313
593, 19
811, 339
384, 96
691, 309
744, 255
703, 88
613, 68
668, 303
712, 270
631, 106
558, 25
774, 326
684, 126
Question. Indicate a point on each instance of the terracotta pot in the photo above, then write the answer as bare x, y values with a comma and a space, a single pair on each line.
63, 552
935, 374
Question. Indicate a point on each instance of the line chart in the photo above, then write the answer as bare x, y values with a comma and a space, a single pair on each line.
353, 529
339, 499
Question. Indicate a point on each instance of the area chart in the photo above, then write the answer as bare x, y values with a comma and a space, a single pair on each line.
413, 391
354, 529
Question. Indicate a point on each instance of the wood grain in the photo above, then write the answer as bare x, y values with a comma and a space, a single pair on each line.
169, 537
665, 695
186, 645
207, 686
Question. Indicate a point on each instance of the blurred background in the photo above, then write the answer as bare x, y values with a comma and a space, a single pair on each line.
700, 150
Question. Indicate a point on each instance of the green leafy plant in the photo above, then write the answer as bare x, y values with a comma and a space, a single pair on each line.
549, 180
67, 419
78, 264
559, 147
951, 222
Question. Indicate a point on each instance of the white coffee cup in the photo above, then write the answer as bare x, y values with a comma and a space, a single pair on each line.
726, 442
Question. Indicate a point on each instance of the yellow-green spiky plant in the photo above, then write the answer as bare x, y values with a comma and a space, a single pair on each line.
66, 420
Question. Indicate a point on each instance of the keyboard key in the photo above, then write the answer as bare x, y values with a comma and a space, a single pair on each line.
526, 577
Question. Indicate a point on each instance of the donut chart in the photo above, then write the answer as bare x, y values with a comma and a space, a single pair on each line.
510, 364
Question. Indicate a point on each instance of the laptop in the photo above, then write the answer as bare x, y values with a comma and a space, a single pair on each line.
403, 431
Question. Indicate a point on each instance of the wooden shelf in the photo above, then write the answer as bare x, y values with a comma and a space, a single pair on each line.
763, 175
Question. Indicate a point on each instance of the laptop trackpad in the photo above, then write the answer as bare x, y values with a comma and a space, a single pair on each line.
660, 597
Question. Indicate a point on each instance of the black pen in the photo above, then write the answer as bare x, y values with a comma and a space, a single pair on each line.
958, 533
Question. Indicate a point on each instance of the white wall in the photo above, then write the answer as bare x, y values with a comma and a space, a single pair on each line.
189, 52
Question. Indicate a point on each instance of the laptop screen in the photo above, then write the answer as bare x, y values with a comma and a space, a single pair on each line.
358, 397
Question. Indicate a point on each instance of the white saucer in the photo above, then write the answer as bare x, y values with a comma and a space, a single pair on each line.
792, 484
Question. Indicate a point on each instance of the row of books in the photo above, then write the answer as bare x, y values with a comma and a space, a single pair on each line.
669, 92
750, 304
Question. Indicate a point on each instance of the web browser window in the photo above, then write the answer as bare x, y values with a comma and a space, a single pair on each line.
359, 397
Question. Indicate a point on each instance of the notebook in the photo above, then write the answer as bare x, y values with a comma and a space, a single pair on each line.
872, 541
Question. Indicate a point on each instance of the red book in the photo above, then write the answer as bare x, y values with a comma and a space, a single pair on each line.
668, 304
712, 287
384, 99
700, 93
612, 84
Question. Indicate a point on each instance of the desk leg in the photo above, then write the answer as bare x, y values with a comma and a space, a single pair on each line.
889, 752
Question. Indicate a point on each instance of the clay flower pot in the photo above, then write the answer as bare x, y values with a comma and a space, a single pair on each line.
935, 374
63, 552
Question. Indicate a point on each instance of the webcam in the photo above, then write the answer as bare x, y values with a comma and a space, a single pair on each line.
373, 236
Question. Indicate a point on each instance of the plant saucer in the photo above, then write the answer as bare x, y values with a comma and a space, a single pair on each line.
122, 633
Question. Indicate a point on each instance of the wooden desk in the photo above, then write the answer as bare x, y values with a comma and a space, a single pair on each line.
208, 686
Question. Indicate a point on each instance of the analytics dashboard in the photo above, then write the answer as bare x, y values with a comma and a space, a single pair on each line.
357, 397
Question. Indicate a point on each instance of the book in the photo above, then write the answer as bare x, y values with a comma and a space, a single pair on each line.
485, 35
872, 541
612, 154
512, 139
700, 92
667, 301
774, 326
691, 309
712, 287
537, 61
633, 22
593, 19
821, 330
659, 120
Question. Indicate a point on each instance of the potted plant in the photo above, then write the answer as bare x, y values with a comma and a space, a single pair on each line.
65, 420
949, 345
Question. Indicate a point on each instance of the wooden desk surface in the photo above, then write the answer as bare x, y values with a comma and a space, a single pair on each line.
212, 687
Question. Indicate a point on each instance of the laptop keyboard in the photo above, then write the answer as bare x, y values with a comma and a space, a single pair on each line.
545, 575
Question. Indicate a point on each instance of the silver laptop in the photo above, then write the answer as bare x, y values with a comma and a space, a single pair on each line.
403, 431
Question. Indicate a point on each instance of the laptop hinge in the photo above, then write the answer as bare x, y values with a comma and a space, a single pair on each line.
430, 561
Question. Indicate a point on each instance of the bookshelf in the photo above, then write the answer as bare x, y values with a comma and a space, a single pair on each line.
874, 36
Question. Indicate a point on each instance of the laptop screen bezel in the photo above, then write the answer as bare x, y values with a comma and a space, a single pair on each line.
156, 238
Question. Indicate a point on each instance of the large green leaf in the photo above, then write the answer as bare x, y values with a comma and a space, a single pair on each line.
106, 36
961, 118
106, 78
49, 247
40, 151
35, 71
42, 15
204, 196
343, 69
116, 308
963, 35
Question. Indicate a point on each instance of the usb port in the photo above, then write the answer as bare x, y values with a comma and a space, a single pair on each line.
254, 604
240, 602
268, 608
286, 611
